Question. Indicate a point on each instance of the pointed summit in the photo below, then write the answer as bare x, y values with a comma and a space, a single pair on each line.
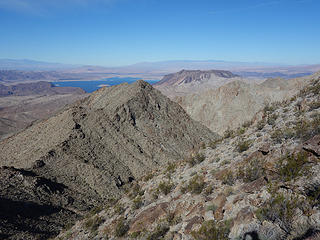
112, 137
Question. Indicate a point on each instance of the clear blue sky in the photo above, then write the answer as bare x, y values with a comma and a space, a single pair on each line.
120, 32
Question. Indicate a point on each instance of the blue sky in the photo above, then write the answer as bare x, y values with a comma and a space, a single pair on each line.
120, 32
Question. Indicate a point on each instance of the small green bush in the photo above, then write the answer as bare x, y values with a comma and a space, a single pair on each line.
228, 178
269, 108
272, 119
211, 230
253, 169
228, 134
241, 131
276, 136
121, 228
209, 190
292, 166
261, 124
158, 233
198, 158
118, 208
137, 203
135, 191
243, 145
171, 168
135, 235
165, 187
212, 208
148, 177
173, 219
195, 185
214, 143
279, 208
93, 223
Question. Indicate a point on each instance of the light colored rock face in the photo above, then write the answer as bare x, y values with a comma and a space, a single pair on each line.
259, 184
106, 140
193, 81
235, 103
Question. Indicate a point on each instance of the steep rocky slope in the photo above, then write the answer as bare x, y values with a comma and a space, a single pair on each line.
98, 145
193, 81
259, 182
237, 102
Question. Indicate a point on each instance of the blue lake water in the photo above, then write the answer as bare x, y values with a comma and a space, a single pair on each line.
91, 86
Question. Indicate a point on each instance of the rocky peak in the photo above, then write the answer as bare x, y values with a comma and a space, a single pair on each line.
259, 182
98, 145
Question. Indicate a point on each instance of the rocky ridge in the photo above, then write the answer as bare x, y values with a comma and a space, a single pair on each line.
193, 81
97, 146
237, 102
258, 182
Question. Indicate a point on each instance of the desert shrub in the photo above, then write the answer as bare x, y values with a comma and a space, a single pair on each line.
93, 223
228, 191
135, 235
288, 133
95, 210
171, 168
208, 190
281, 209
135, 191
225, 162
268, 108
212, 208
292, 166
173, 219
158, 233
137, 203
148, 177
121, 228
252, 169
119, 208
210, 230
272, 119
243, 145
165, 187
198, 158
277, 135
307, 129
261, 124
195, 185
241, 131
213, 144
228, 178
228, 133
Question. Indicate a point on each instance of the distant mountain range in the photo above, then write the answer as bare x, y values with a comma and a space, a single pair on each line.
156, 70
32, 65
